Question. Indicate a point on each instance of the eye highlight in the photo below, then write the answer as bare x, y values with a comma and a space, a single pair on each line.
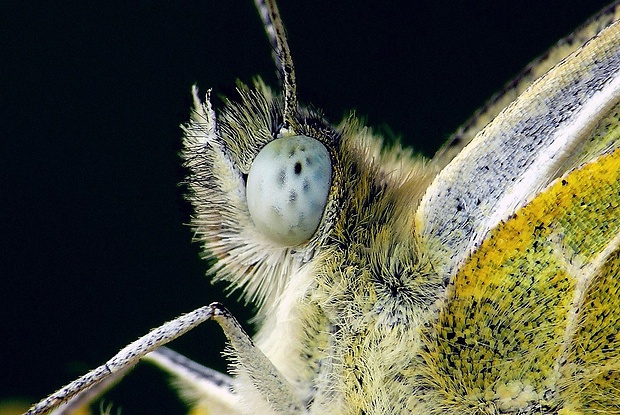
287, 188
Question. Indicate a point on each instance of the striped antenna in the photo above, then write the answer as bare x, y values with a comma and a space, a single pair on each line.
282, 55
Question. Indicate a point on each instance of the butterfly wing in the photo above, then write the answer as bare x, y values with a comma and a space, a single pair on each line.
530, 319
545, 132
537, 68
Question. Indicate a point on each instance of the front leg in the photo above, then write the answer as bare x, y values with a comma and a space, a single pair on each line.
253, 367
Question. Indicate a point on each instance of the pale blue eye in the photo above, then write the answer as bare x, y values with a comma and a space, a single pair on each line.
287, 188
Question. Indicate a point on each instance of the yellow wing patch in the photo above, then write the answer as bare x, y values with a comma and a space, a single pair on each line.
591, 376
531, 322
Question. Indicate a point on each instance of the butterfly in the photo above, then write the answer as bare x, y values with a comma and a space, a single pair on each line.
482, 281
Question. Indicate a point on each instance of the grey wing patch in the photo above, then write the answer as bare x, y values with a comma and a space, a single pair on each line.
538, 67
525, 147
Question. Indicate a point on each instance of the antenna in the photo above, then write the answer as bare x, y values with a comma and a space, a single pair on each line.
270, 15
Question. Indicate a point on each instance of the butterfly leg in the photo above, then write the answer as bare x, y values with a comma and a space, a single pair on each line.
257, 380
204, 389
125, 359
258, 388
257, 375
80, 402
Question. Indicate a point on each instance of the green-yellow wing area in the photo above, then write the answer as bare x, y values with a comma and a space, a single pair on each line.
532, 321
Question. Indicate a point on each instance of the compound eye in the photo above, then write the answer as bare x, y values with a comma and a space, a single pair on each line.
287, 188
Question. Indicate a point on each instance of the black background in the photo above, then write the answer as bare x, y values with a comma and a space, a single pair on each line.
93, 247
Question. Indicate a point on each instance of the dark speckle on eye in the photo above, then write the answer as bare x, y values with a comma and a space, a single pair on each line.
297, 168
292, 196
305, 186
308, 161
281, 178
